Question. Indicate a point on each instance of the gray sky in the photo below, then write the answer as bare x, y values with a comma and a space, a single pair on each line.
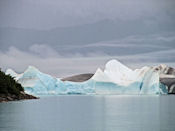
77, 36
46, 14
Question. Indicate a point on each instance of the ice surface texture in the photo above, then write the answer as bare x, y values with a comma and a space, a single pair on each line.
115, 79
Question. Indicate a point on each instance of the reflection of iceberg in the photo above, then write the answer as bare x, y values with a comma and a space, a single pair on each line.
115, 79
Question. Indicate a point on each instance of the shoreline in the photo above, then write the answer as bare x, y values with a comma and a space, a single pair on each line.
12, 97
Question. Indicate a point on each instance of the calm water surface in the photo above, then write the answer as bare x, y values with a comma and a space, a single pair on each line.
90, 113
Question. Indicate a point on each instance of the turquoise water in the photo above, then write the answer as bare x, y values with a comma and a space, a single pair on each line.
90, 113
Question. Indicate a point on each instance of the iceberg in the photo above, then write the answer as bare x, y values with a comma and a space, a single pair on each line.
119, 79
38, 83
115, 79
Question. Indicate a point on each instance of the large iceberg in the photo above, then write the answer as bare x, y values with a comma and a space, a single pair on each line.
119, 79
115, 79
38, 83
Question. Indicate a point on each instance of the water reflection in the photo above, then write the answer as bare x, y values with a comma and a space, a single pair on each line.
90, 113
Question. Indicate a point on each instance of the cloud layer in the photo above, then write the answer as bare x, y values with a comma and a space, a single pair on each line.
45, 14
91, 33
60, 66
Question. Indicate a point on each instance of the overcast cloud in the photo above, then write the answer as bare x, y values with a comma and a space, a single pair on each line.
65, 37
61, 66
45, 14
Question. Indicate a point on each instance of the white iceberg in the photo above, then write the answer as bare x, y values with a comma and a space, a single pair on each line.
115, 79
119, 79
13, 74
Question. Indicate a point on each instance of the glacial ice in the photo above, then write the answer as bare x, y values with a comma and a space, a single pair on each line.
115, 79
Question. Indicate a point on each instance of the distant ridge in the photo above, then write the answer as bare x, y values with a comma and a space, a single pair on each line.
78, 78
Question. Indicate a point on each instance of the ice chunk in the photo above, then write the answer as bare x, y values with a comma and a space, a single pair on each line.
119, 79
100, 76
119, 73
36, 82
13, 74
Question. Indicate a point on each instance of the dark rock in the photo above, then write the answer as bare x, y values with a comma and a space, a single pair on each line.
171, 71
9, 98
170, 83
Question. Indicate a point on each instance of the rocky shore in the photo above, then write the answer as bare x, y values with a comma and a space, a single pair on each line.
13, 97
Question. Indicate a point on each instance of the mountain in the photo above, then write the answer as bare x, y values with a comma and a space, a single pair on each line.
78, 78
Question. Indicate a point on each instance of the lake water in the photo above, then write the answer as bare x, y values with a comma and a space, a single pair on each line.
90, 113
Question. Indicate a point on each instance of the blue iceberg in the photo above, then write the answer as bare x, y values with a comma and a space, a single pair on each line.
115, 79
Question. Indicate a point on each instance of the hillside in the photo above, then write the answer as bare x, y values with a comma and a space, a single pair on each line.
11, 90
